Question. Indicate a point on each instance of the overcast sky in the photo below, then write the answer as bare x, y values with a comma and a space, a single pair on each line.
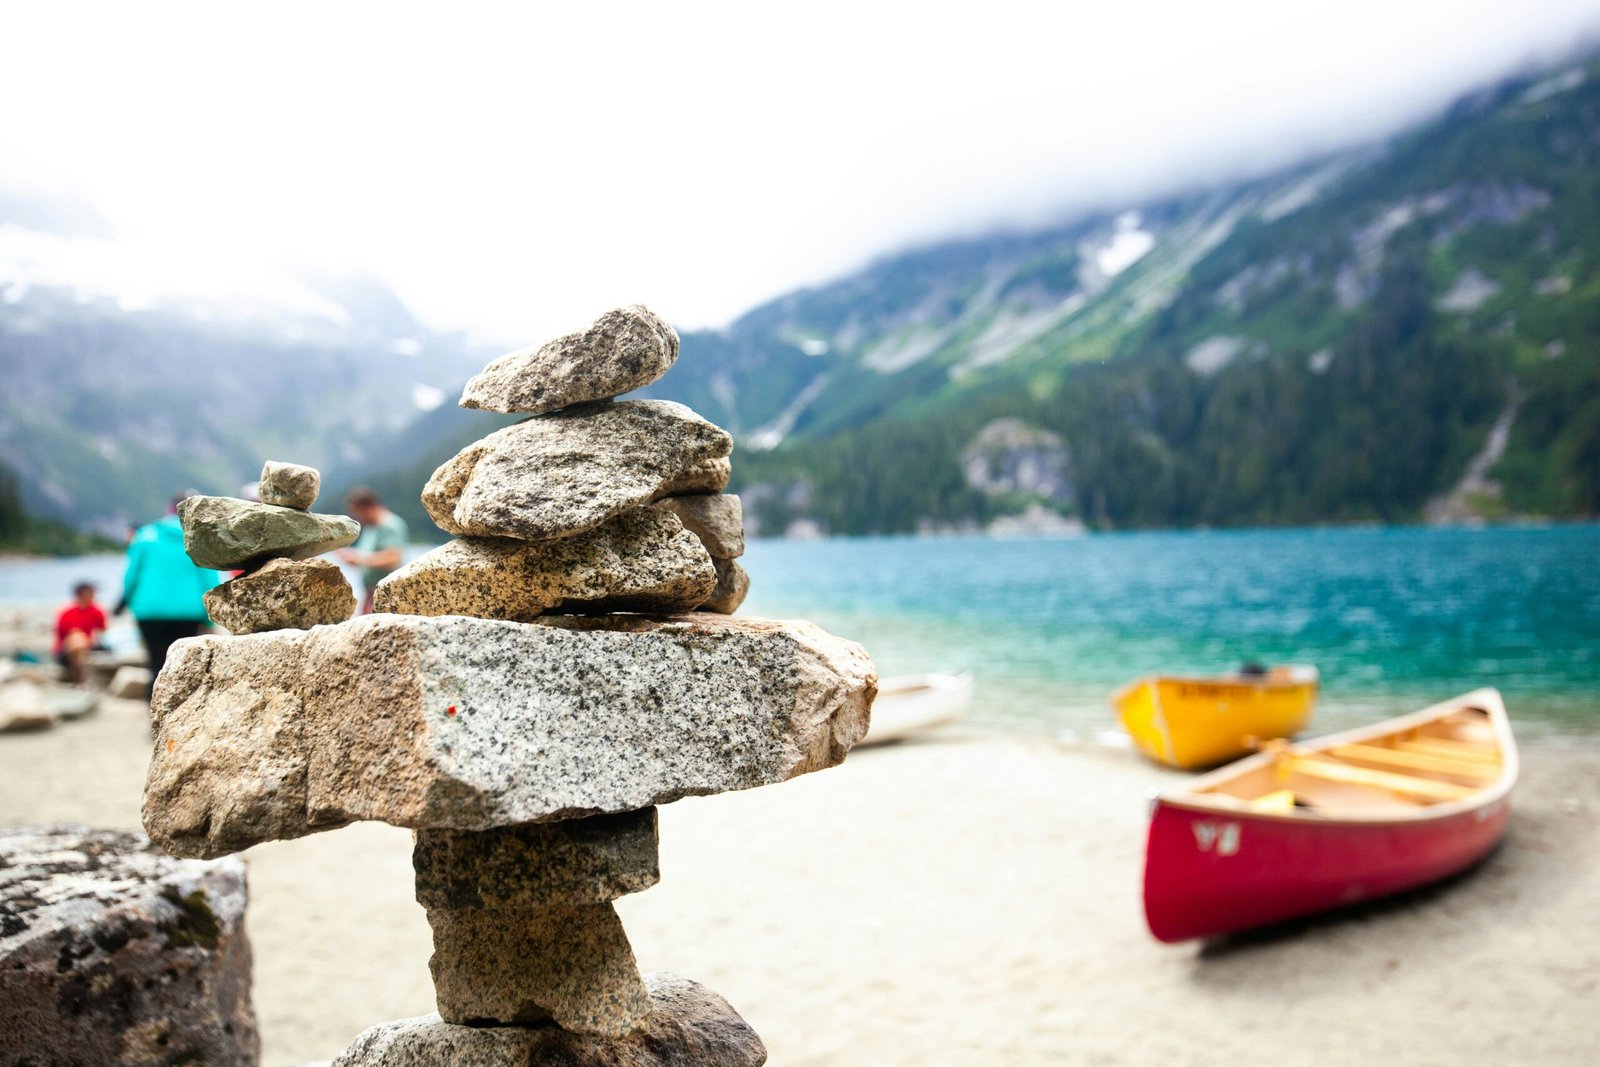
517, 173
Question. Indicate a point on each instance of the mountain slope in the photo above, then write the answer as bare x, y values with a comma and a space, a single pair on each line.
1407, 330
127, 375
1332, 344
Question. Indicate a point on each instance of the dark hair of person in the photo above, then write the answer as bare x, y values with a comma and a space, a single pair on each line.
78, 587
361, 497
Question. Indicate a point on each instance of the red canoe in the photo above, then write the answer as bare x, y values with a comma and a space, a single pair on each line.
1362, 814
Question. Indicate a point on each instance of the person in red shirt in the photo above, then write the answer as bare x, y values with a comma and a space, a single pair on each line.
78, 626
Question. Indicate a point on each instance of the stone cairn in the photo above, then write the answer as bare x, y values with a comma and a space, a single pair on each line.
499, 706
272, 542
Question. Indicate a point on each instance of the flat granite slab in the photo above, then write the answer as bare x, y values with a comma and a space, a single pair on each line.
688, 1026
468, 724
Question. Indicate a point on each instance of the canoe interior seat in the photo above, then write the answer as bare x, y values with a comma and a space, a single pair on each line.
1278, 802
1407, 761
1402, 784
1441, 746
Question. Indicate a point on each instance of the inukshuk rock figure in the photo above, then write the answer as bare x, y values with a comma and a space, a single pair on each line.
525, 697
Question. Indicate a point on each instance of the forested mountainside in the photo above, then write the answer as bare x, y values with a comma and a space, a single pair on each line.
124, 377
1406, 331
1335, 345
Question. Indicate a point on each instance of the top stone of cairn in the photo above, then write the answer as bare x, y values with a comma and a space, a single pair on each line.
289, 485
622, 350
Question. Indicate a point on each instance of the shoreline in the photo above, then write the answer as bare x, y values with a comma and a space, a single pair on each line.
1517, 522
29, 627
968, 898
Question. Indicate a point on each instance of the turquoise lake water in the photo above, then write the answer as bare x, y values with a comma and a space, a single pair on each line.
1395, 618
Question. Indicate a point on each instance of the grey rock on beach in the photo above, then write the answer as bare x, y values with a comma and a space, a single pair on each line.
289, 485
282, 594
470, 724
25, 706
717, 519
624, 349
228, 534
558, 475
641, 560
112, 952
688, 1026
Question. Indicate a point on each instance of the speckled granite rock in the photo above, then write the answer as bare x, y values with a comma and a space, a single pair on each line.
228, 534
575, 861
289, 485
709, 477
688, 1026
624, 349
557, 475
572, 965
282, 595
469, 724
112, 952
641, 560
717, 519
733, 584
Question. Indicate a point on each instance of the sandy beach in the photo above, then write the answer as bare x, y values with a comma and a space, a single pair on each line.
971, 899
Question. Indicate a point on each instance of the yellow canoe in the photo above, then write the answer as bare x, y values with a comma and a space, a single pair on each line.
1197, 722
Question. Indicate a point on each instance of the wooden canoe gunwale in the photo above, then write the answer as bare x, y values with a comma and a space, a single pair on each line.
1193, 798
1299, 674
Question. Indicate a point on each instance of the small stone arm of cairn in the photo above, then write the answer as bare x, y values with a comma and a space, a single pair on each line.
526, 696
272, 542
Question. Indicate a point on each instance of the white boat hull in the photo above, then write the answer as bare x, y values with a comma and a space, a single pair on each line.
913, 704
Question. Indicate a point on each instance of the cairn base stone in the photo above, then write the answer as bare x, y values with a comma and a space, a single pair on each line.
283, 595
112, 952
515, 965
688, 1026
577, 861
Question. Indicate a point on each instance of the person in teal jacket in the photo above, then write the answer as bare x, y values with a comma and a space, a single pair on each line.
163, 588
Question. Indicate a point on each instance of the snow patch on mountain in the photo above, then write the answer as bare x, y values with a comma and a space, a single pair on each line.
1566, 81
1129, 243
1472, 289
1214, 353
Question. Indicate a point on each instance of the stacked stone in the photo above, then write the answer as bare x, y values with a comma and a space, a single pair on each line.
501, 707
552, 514
273, 542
